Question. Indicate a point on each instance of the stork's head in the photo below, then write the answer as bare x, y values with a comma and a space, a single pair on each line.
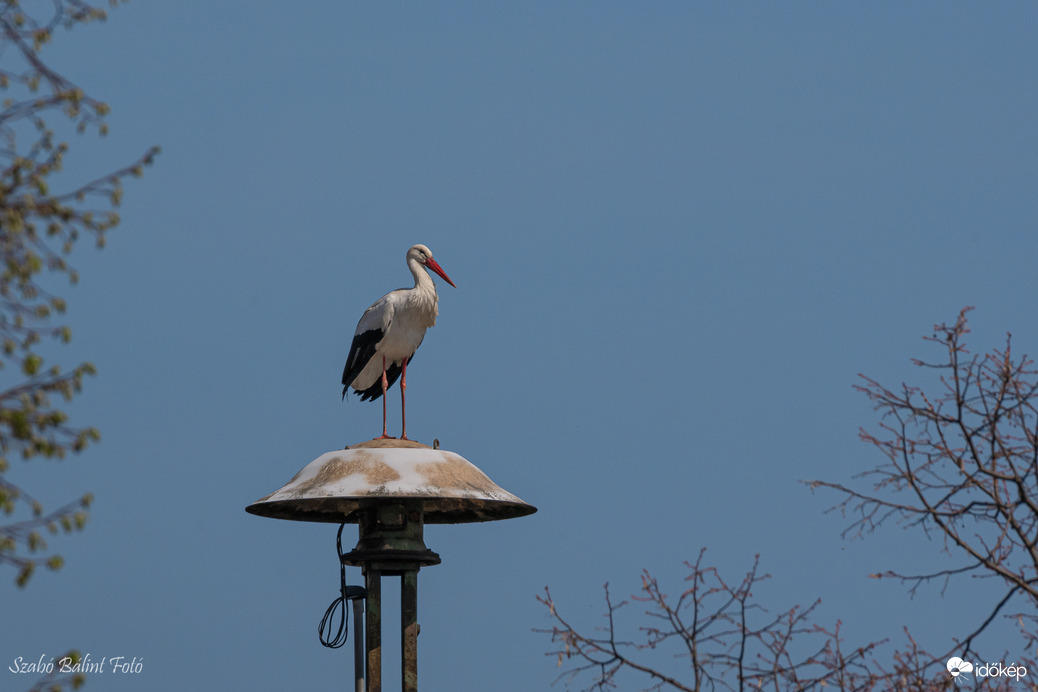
423, 256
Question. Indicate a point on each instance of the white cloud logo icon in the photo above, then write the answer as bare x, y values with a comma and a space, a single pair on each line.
956, 666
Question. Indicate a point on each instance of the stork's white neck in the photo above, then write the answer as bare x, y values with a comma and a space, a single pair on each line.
422, 281
422, 299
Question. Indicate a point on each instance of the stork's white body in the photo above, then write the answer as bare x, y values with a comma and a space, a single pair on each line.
389, 333
397, 321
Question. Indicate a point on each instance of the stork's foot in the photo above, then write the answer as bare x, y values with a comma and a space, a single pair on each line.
386, 436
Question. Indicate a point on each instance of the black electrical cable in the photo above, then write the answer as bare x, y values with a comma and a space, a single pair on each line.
342, 633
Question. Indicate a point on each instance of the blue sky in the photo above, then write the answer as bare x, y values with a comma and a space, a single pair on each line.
678, 233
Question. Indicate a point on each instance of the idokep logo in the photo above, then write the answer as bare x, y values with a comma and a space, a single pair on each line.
960, 670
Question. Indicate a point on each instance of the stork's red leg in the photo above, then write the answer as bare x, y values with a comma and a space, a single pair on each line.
385, 386
403, 401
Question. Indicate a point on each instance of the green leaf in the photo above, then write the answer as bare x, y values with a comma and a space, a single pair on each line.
25, 574
31, 364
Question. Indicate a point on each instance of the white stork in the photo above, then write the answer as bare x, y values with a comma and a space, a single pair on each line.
388, 334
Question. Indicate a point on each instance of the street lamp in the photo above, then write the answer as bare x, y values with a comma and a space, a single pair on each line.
391, 488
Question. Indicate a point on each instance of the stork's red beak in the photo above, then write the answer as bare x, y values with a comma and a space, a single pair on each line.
431, 263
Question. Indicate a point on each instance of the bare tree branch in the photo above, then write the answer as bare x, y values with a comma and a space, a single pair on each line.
726, 640
961, 466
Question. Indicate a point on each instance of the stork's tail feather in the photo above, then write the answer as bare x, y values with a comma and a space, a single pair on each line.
375, 390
